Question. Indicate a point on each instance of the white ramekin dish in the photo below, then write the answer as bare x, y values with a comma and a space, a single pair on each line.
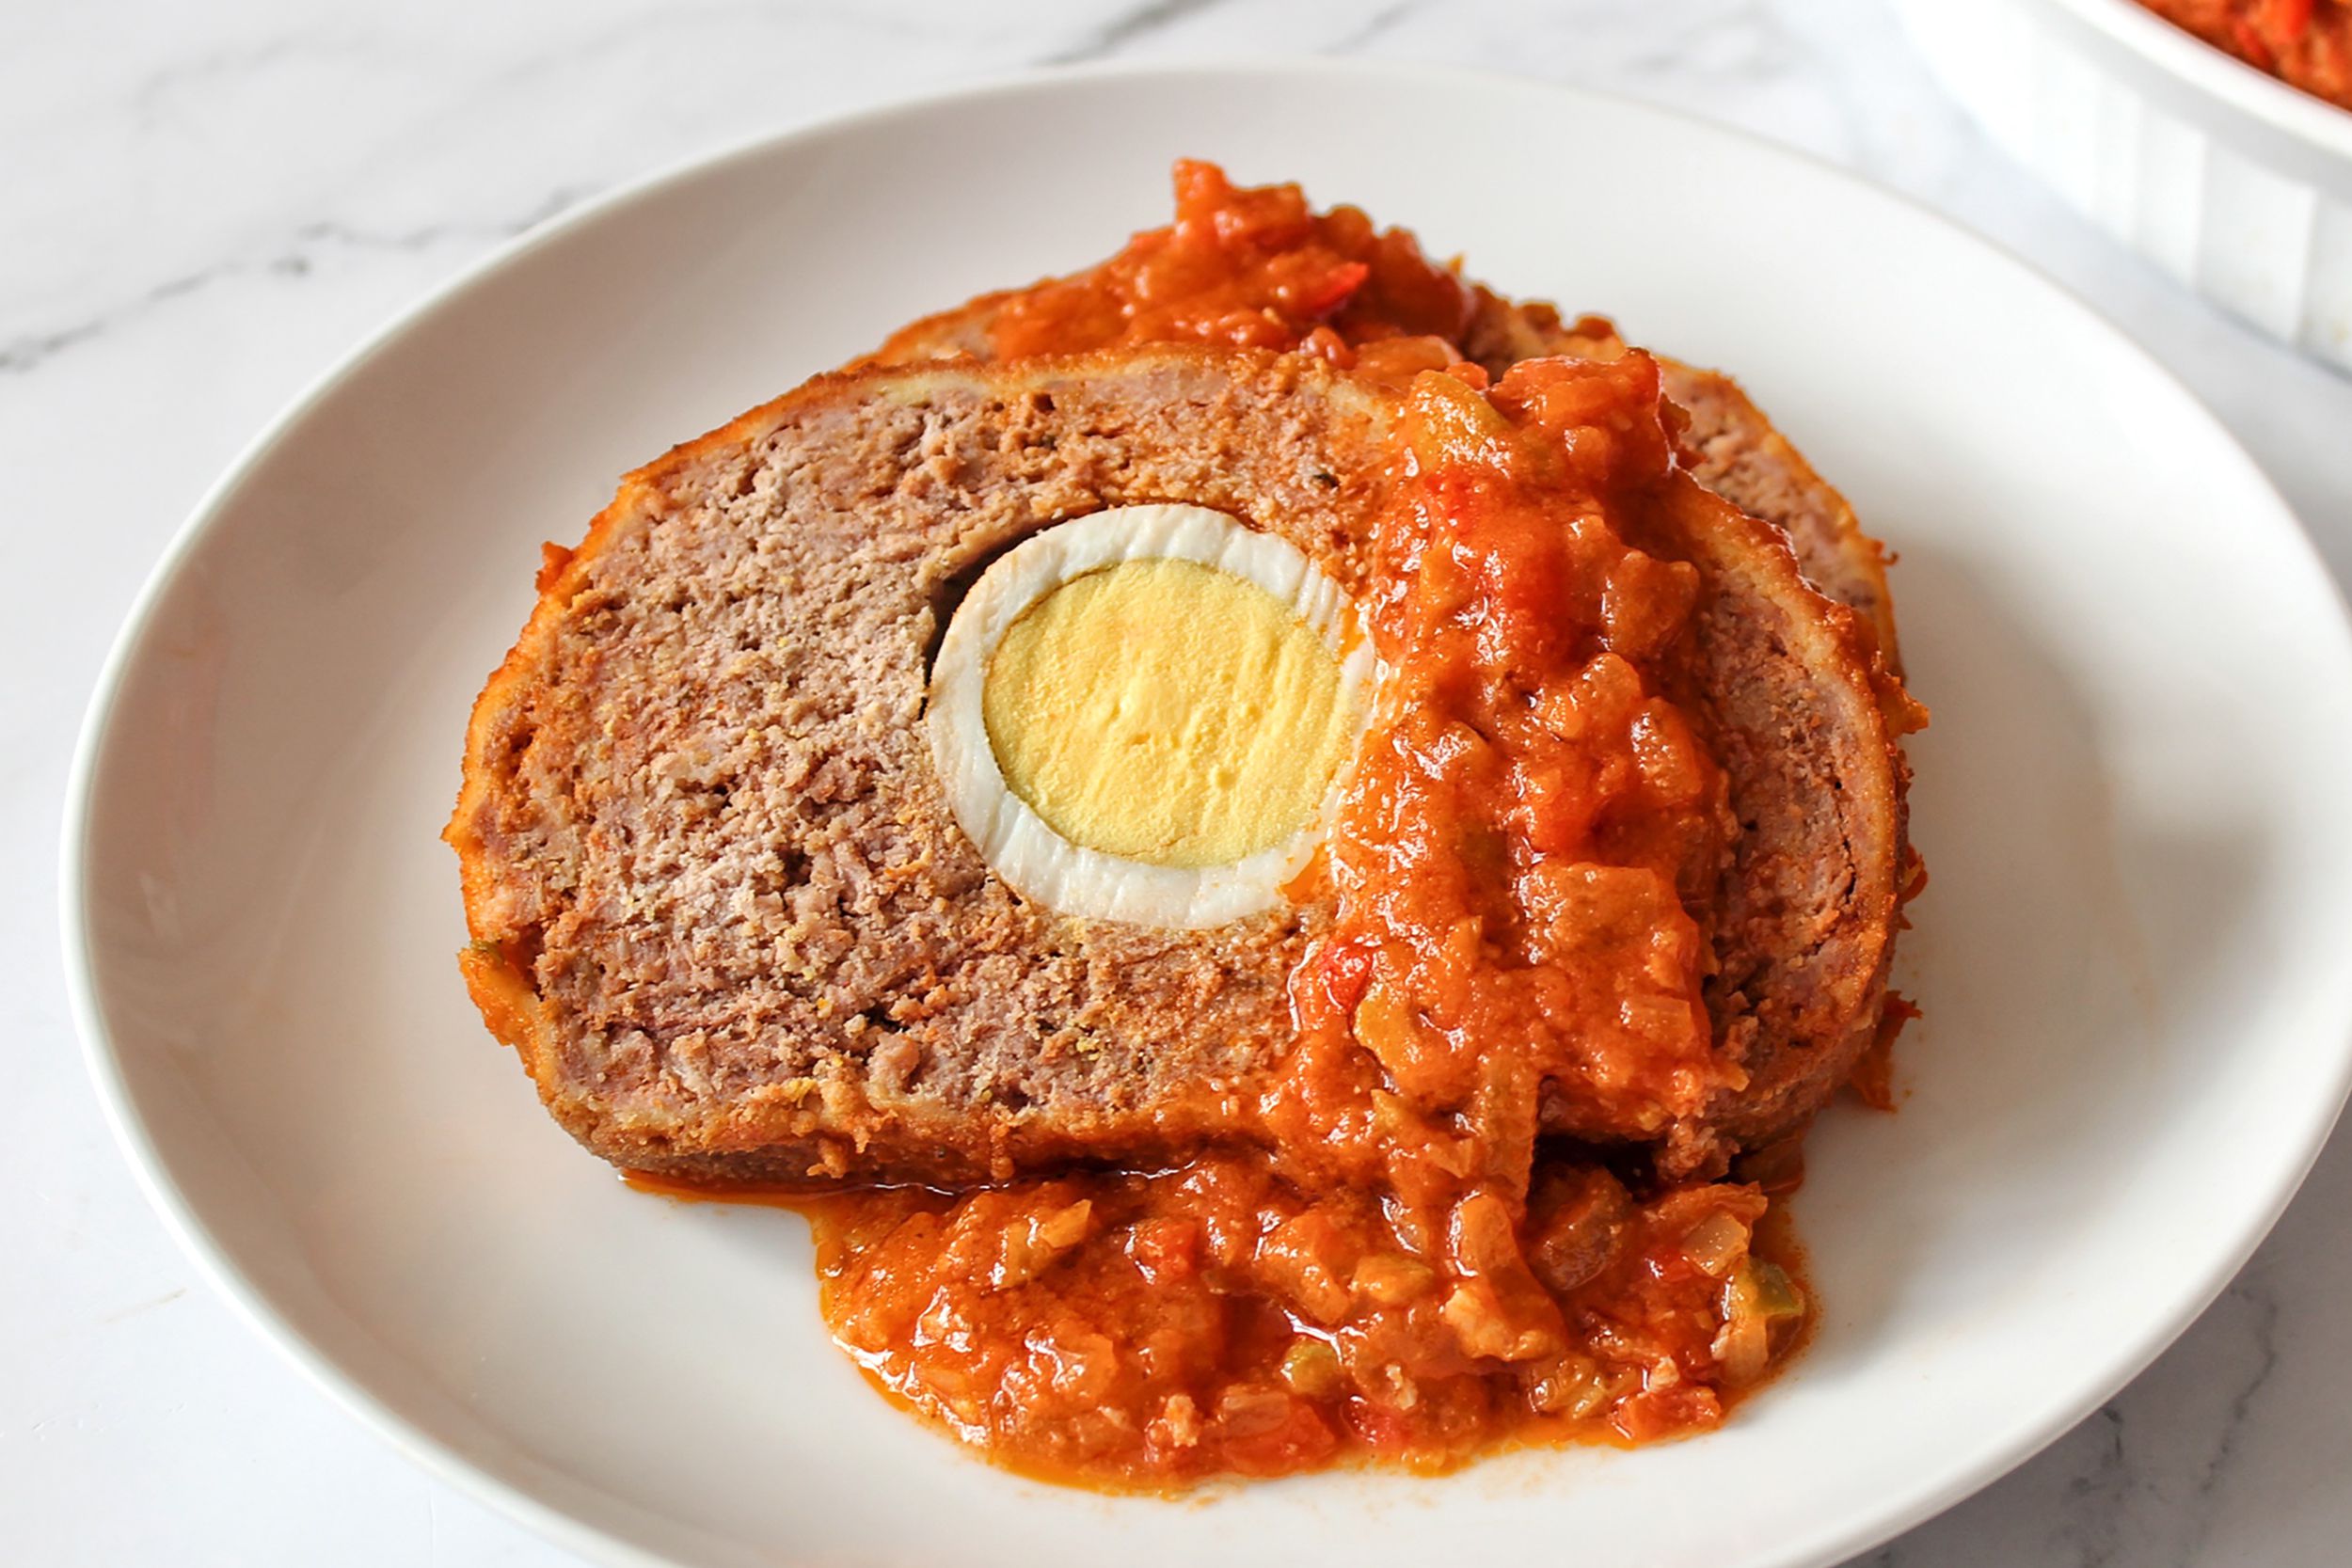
2235, 183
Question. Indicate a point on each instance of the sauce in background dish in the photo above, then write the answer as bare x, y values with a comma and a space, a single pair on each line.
2306, 44
1403, 1271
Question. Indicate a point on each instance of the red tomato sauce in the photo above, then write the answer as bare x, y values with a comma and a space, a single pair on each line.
1255, 267
1410, 1273
2307, 44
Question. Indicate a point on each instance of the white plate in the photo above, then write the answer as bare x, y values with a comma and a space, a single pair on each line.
2140, 1012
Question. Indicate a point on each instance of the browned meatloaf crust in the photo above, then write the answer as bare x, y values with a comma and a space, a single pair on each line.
723, 912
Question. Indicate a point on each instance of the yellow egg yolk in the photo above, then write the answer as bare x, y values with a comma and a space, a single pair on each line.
1166, 712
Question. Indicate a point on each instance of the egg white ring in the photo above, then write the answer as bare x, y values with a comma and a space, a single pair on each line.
1018, 844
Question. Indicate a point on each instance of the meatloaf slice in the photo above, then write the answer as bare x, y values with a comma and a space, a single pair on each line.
721, 908
720, 903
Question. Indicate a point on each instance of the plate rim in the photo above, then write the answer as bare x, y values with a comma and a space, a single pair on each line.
1828, 1543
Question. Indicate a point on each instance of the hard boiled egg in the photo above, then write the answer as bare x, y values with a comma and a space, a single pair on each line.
1144, 714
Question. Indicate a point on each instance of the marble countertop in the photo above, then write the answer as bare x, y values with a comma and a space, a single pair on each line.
207, 203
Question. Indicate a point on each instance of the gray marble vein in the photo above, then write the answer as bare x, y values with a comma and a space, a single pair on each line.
296, 256
1374, 24
1127, 27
